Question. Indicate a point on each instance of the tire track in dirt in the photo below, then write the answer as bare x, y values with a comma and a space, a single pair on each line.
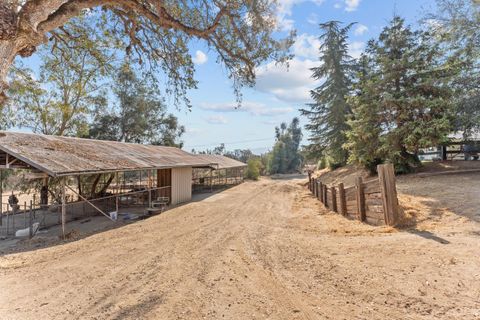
263, 249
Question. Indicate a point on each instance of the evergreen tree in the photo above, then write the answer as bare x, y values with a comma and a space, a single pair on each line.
365, 125
455, 25
405, 99
329, 112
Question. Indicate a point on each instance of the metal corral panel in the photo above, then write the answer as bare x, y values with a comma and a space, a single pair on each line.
181, 185
61, 156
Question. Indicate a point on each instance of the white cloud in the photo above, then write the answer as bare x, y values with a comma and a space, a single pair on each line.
360, 30
193, 131
200, 57
284, 10
306, 46
356, 49
292, 84
351, 5
217, 119
252, 107
313, 19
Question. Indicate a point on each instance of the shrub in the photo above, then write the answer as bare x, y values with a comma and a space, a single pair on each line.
253, 169
322, 163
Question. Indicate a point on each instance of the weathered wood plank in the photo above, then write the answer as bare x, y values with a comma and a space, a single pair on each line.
386, 176
372, 186
360, 199
333, 192
343, 200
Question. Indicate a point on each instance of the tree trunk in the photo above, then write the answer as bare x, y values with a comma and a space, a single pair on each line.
94, 186
107, 184
8, 51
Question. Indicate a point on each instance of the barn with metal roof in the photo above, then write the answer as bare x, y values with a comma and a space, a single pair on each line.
83, 175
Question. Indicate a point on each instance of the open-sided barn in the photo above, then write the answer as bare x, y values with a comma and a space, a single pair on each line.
84, 175
227, 172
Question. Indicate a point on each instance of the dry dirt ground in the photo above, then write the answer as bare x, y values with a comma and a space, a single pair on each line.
261, 250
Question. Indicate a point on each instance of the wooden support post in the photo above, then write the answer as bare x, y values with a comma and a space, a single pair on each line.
149, 188
8, 218
386, 176
1, 197
14, 213
334, 199
343, 199
211, 180
25, 214
315, 187
318, 190
30, 221
64, 213
360, 195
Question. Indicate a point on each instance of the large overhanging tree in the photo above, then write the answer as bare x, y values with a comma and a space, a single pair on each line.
156, 31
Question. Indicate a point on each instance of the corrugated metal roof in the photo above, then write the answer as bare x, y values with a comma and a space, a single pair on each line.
61, 156
222, 161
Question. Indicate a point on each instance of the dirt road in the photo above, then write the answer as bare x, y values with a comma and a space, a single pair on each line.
263, 250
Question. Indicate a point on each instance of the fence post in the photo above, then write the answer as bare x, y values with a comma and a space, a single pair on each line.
343, 199
314, 187
318, 189
325, 198
334, 198
386, 176
360, 199
320, 192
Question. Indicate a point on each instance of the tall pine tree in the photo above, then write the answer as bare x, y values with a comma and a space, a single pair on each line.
365, 126
330, 110
407, 98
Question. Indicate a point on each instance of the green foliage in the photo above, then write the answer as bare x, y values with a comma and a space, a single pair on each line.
322, 163
365, 125
254, 166
455, 26
241, 35
285, 156
402, 101
329, 112
69, 83
138, 115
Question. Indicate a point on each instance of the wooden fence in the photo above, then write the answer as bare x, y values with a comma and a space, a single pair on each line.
374, 201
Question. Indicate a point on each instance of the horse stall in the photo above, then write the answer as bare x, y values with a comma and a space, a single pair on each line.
51, 180
227, 172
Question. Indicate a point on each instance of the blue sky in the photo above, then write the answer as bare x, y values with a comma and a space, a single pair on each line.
279, 94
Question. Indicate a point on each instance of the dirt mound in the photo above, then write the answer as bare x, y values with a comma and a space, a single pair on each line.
346, 174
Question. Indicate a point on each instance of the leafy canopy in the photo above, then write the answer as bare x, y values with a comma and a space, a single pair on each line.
137, 115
